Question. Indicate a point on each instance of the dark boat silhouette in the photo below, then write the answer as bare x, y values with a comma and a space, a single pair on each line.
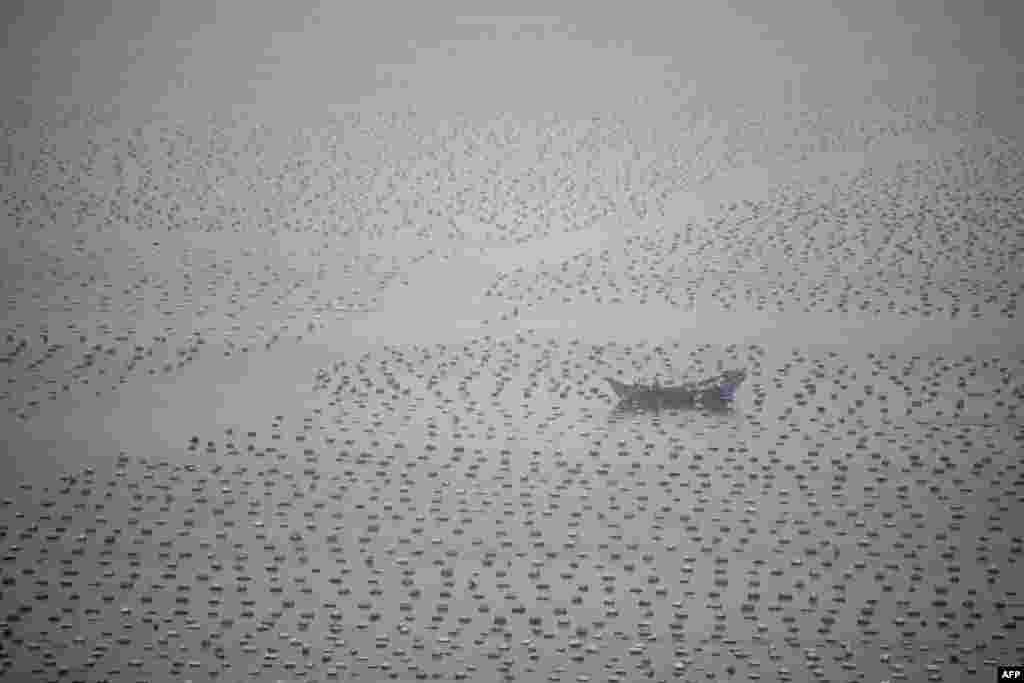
714, 393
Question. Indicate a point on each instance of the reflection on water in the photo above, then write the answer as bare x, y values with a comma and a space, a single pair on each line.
668, 410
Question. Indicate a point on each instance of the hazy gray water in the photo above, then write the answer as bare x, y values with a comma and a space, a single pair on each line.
328, 403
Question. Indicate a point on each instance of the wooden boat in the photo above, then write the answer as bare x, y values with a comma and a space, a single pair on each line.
714, 392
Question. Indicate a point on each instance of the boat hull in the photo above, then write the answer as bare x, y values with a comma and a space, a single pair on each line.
716, 392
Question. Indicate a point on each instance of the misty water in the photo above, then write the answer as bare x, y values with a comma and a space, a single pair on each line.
327, 401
